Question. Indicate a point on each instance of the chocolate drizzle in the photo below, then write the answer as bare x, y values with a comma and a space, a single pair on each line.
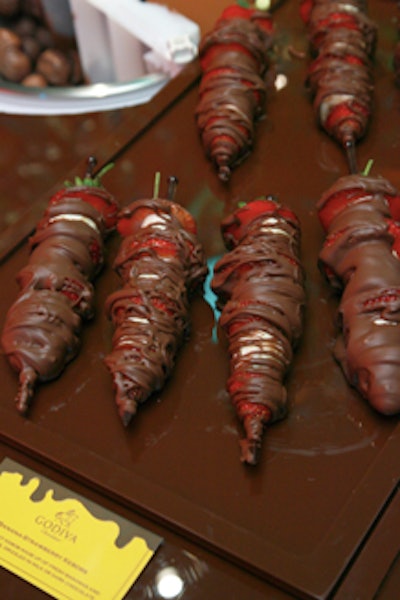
260, 286
42, 327
235, 57
360, 258
342, 41
161, 264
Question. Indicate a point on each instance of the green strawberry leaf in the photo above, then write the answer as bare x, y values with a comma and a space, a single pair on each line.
90, 180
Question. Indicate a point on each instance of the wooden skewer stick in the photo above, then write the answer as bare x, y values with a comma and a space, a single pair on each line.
350, 148
172, 185
91, 165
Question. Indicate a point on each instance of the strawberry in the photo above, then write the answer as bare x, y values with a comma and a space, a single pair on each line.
208, 57
134, 218
254, 410
103, 202
305, 9
184, 217
394, 230
338, 202
235, 227
264, 22
96, 253
235, 11
338, 19
130, 222
346, 117
394, 204
353, 60
90, 190
375, 303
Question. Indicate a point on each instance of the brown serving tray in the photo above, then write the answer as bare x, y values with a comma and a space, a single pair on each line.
329, 472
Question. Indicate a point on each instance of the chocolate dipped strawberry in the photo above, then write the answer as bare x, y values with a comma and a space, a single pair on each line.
360, 258
235, 59
260, 289
342, 43
161, 264
42, 327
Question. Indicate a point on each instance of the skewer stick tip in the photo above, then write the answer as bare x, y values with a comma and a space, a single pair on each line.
172, 185
254, 425
126, 418
224, 173
91, 165
250, 451
27, 380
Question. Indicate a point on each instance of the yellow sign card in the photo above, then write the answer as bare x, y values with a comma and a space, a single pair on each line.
66, 545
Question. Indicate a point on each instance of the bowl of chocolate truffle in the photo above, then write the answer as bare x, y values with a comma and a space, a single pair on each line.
71, 56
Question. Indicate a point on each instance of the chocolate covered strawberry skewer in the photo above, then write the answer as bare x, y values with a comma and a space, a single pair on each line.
360, 257
42, 328
235, 58
161, 264
342, 41
259, 283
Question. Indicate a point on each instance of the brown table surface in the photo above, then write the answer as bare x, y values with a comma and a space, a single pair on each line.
319, 516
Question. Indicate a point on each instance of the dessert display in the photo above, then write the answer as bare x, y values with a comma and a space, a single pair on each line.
260, 287
360, 257
342, 42
235, 61
31, 54
42, 330
161, 264
253, 411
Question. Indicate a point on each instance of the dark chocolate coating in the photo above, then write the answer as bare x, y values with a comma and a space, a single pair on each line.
243, 32
321, 22
359, 259
40, 334
233, 90
260, 286
160, 265
340, 74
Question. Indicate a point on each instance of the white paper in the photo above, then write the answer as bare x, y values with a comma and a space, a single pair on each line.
158, 27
